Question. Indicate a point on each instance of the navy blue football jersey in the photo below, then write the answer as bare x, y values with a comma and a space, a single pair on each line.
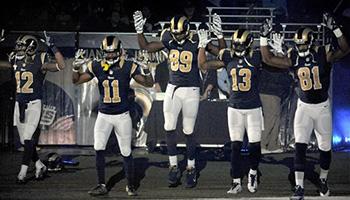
313, 75
243, 73
183, 60
29, 78
114, 84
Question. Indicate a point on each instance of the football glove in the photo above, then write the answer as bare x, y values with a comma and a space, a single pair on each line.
139, 21
329, 21
48, 40
79, 60
266, 28
216, 26
203, 38
277, 42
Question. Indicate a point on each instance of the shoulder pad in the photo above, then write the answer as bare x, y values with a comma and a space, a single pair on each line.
289, 52
222, 51
193, 37
42, 57
164, 34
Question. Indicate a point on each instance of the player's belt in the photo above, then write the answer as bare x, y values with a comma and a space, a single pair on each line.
179, 86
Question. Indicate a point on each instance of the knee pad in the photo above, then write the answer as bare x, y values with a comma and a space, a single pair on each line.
188, 125
125, 150
171, 143
169, 122
325, 159
300, 156
325, 146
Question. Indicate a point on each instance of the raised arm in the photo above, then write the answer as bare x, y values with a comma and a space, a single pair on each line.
60, 64
145, 78
217, 30
79, 61
139, 22
267, 56
78, 77
342, 42
211, 64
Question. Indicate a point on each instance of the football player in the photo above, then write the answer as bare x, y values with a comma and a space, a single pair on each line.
114, 73
312, 67
244, 109
30, 67
183, 89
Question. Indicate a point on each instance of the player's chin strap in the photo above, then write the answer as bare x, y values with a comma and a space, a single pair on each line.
240, 54
304, 54
108, 63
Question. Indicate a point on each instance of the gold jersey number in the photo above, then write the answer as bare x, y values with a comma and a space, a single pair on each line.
246, 75
108, 98
305, 80
28, 78
180, 61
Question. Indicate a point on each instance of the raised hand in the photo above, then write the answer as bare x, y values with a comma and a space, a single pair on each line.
139, 21
329, 22
216, 26
277, 42
266, 28
48, 40
79, 60
203, 36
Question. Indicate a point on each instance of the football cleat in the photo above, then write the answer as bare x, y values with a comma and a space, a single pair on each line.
298, 193
174, 176
100, 189
324, 190
235, 188
252, 183
191, 178
131, 190
40, 173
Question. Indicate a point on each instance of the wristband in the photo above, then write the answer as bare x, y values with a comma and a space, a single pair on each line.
263, 41
337, 32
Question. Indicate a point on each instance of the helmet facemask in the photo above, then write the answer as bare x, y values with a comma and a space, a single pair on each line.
26, 46
111, 51
303, 40
241, 42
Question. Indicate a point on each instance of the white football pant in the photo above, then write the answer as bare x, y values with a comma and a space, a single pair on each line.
31, 120
240, 120
122, 128
185, 99
316, 117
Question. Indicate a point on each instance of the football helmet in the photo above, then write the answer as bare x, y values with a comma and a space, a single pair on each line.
26, 45
179, 28
111, 50
241, 41
303, 39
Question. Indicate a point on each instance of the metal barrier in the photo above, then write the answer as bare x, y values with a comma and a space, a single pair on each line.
251, 19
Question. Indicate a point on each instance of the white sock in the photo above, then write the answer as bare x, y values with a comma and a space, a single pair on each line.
237, 180
191, 163
173, 160
323, 173
23, 171
39, 164
299, 178
253, 172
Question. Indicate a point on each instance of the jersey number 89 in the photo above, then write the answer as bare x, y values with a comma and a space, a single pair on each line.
180, 61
